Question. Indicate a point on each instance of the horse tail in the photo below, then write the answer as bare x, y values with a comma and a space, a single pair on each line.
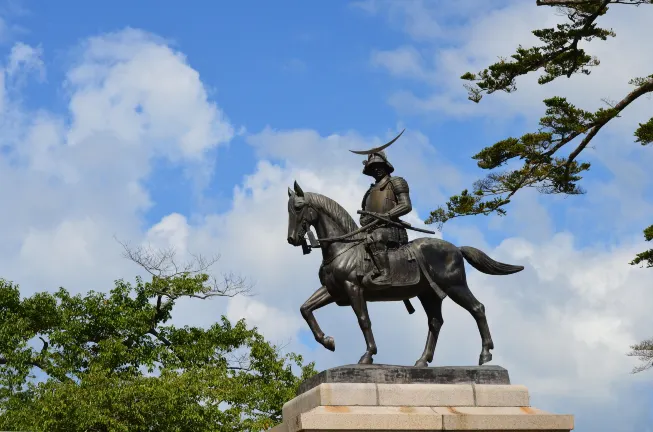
483, 263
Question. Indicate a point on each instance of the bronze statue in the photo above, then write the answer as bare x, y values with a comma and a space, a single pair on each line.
388, 197
375, 262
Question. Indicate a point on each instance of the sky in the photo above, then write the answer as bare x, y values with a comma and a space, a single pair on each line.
177, 126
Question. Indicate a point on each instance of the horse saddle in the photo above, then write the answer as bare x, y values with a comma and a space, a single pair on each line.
404, 268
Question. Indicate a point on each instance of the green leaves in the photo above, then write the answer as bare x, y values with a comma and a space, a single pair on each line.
466, 204
540, 168
644, 133
646, 257
111, 363
558, 56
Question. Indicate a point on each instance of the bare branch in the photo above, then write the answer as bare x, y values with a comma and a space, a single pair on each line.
644, 351
162, 264
231, 286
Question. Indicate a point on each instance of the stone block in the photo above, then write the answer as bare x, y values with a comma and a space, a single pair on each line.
426, 394
331, 395
375, 418
283, 427
501, 396
502, 419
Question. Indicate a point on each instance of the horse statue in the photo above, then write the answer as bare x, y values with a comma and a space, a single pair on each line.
427, 268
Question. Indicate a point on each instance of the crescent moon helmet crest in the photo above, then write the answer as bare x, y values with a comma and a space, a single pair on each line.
377, 149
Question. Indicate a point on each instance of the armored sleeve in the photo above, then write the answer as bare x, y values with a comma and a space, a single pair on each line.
401, 190
399, 185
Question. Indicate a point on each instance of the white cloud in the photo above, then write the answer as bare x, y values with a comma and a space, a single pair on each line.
275, 324
403, 62
170, 233
27, 58
142, 90
77, 179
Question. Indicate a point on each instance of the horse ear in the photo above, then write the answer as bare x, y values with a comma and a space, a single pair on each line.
298, 190
290, 192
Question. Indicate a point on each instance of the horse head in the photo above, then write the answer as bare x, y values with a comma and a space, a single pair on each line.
301, 215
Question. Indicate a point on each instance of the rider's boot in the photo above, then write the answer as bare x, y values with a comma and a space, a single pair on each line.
382, 262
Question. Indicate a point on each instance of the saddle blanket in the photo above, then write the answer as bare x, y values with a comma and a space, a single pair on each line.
404, 268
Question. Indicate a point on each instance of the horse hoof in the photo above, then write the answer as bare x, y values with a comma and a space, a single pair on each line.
421, 363
366, 359
329, 343
484, 358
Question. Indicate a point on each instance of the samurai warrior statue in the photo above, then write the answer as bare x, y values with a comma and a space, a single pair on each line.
389, 198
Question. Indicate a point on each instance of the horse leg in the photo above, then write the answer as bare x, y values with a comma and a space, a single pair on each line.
320, 298
464, 297
359, 305
433, 308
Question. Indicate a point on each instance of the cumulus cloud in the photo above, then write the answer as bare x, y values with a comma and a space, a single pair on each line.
275, 323
25, 57
77, 178
142, 90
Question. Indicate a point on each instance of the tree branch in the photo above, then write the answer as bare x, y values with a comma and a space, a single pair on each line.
37, 362
45, 346
641, 90
588, 23
160, 337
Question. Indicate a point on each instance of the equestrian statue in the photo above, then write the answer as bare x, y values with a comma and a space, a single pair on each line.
376, 262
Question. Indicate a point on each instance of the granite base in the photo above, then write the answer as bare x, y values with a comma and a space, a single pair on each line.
401, 406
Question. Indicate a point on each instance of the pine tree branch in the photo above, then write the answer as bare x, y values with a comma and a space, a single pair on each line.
559, 56
641, 90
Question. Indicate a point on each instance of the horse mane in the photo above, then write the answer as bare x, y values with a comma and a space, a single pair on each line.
333, 209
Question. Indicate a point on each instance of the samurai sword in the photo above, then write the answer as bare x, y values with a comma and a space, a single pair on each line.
398, 223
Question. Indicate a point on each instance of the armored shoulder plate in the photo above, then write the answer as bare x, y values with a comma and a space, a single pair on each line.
399, 185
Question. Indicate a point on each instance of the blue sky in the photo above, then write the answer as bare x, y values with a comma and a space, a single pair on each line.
304, 66
182, 127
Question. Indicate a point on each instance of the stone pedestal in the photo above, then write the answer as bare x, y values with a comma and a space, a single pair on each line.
412, 399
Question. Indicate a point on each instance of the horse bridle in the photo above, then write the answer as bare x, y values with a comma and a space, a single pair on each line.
317, 243
305, 229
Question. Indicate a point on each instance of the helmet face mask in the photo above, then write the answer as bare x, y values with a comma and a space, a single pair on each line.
373, 161
377, 170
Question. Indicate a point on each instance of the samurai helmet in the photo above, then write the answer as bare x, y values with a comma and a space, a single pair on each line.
377, 155
376, 158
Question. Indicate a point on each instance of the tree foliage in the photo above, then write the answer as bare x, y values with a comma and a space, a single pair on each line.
110, 362
548, 157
